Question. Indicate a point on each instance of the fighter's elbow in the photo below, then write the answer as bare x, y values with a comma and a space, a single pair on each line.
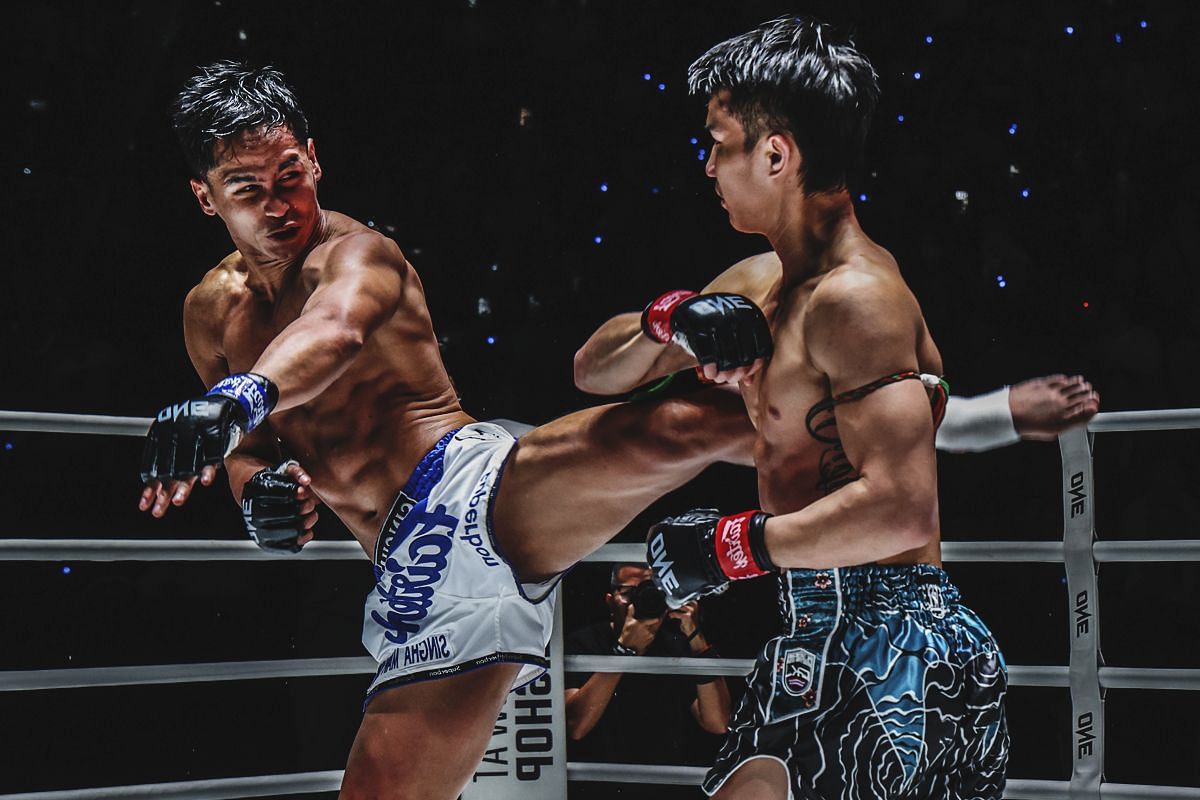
589, 378
911, 511
584, 380
347, 339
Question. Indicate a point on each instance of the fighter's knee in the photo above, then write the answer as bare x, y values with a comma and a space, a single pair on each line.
677, 429
706, 426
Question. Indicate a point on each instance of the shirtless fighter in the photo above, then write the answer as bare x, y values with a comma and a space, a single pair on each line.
882, 684
315, 339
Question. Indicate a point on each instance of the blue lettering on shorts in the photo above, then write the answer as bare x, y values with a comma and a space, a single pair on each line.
407, 589
471, 534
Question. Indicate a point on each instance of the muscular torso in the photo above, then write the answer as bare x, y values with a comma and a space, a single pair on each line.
362, 436
796, 467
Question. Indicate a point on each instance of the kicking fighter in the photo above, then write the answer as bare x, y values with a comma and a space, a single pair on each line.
882, 683
316, 341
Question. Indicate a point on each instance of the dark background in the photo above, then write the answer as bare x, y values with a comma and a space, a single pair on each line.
1076, 152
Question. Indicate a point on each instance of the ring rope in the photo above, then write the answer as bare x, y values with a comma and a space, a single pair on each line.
1131, 551
1170, 419
1042, 675
331, 781
1079, 555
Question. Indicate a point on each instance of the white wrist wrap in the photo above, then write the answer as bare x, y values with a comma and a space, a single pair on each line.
973, 424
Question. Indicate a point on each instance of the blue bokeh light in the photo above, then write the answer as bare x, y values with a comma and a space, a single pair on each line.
645, 76
1024, 193
662, 87
491, 340
1070, 30
604, 187
1117, 38
1143, 24
862, 198
66, 570
928, 40
694, 140
598, 239
899, 118
916, 76
702, 154
1012, 129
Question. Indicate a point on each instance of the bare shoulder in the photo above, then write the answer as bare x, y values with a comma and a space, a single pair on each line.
867, 287
208, 300
353, 248
864, 312
753, 277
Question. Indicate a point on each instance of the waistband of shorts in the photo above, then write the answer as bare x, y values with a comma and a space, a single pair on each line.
424, 477
890, 587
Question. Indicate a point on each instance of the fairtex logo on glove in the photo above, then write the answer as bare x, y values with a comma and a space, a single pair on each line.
733, 547
254, 394
658, 314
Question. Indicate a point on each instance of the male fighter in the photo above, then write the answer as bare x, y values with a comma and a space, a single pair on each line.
619, 357
315, 339
882, 685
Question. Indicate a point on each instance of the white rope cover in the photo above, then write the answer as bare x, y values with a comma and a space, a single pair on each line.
330, 781
1170, 419
137, 675
245, 550
73, 423
168, 550
215, 789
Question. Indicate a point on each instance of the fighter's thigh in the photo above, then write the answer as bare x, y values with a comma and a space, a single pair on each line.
575, 482
756, 779
423, 741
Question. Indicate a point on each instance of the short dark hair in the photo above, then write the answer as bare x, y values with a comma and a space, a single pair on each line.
796, 75
226, 98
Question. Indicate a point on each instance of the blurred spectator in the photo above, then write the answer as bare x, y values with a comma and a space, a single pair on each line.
646, 719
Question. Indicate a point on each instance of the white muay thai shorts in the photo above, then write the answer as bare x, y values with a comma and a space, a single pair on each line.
445, 600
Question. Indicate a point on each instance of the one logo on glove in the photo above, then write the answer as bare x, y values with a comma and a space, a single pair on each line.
662, 567
191, 408
714, 304
799, 670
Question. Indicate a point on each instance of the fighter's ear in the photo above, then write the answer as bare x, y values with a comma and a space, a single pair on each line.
202, 191
312, 156
782, 153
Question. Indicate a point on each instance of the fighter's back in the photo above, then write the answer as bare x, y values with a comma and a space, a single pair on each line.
361, 436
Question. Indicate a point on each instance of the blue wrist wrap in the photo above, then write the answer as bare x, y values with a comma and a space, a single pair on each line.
254, 393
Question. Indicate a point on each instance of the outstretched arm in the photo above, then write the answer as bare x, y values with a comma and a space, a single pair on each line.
1038, 409
359, 289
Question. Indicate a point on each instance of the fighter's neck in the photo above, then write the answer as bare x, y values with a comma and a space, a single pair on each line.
812, 235
267, 276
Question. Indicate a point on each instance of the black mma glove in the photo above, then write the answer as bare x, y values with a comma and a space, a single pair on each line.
271, 511
700, 552
721, 328
186, 437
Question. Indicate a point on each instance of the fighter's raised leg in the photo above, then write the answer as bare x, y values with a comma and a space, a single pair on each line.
574, 483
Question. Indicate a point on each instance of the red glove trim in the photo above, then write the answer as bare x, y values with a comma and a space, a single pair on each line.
658, 314
732, 542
